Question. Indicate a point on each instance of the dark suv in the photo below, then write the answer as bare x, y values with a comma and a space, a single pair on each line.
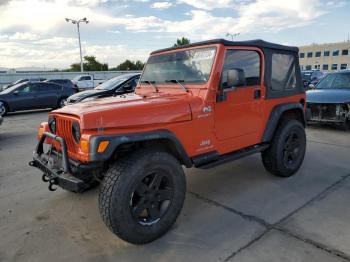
66, 83
33, 95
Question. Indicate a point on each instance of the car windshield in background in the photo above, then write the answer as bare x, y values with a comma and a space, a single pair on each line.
11, 88
190, 66
335, 81
76, 78
112, 83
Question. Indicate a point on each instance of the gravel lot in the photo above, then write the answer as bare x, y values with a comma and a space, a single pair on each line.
236, 212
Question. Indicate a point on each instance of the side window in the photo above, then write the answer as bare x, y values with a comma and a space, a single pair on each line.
246, 61
283, 72
52, 87
84, 78
25, 89
130, 85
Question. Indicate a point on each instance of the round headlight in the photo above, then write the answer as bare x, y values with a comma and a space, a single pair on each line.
52, 124
76, 132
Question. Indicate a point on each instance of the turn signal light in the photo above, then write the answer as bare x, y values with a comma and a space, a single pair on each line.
40, 132
102, 146
84, 146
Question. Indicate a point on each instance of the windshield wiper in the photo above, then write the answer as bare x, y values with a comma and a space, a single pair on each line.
151, 83
177, 82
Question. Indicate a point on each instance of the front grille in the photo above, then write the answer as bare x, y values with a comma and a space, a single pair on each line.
323, 111
64, 130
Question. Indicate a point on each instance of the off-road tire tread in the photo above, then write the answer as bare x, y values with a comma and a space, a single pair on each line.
111, 183
268, 156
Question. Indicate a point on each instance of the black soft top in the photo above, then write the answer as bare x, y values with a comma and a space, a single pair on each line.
254, 43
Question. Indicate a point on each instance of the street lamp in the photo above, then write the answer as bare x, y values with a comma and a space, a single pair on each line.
77, 22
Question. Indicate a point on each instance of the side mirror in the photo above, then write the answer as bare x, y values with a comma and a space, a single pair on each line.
312, 86
16, 92
235, 78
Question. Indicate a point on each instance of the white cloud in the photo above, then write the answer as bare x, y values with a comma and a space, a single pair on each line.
54, 51
161, 5
208, 4
336, 4
32, 41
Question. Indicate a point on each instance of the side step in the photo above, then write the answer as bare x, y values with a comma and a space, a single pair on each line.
213, 159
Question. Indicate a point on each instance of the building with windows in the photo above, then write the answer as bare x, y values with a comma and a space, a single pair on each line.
325, 57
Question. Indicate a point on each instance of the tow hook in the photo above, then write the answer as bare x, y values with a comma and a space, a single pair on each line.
52, 182
52, 185
45, 178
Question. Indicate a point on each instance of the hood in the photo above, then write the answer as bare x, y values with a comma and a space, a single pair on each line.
85, 94
328, 96
130, 110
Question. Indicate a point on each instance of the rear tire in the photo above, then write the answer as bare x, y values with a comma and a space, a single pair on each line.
142, 195
286, 153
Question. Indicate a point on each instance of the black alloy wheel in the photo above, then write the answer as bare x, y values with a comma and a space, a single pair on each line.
152, 198
291, 149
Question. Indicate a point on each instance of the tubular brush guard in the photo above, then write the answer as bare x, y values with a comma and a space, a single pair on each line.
61, 177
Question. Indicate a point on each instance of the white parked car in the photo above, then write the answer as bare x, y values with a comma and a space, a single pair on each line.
84, 82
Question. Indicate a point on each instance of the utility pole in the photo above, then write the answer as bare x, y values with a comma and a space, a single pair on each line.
77, 22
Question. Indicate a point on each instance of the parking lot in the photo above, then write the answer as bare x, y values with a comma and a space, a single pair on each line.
236, 212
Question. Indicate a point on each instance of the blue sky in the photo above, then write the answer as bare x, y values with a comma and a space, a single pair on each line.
34, 32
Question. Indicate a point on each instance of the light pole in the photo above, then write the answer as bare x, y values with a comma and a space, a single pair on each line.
77, 22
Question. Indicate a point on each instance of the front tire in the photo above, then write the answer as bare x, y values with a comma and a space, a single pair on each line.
142, 195
286, 153
61, 102
3, 109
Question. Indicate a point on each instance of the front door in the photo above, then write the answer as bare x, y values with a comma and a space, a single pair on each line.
24, 97
239, 114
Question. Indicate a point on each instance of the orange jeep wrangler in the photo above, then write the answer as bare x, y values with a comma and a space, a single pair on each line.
199, 105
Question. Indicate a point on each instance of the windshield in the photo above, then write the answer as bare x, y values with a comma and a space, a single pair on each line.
335, 81
76, 78
11, 88
112, 83
190, 66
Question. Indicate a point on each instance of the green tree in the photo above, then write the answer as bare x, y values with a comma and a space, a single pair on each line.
90, 64
129, 65
182, 41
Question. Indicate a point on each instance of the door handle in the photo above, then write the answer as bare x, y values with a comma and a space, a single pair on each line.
257, 93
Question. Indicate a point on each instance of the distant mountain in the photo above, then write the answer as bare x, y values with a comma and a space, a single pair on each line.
4, 69
26, 69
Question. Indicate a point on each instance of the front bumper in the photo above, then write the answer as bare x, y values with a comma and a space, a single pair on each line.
327, 113
59, 170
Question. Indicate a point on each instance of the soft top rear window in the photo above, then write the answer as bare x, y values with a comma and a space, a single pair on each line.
283, 72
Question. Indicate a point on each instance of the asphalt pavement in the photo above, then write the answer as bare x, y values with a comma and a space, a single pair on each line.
235, 212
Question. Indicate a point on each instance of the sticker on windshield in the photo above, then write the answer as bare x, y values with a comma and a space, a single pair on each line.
203, 54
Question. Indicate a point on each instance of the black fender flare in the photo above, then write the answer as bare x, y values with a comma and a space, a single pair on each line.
116, 140
275, 117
